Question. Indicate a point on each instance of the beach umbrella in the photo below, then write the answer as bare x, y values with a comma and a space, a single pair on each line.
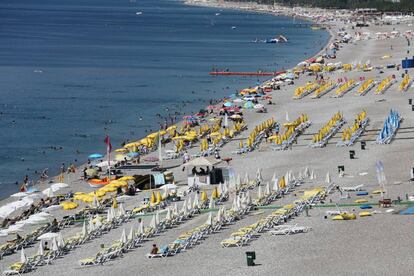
98, 222
312, 176
40, 250
238, 203
267, 189
157, 218
123, 238
259, 192
306, 173
195, 202
60, 240
189, 204
259, 175
287, 177
84, 230
47, 236
131, 234
91, 226
54, 245
113, 214
19, 194
211, 204
275, 185
48, 192
225, 188
220, 188
95, 202
228, 104
209, 219
234, 205
114, 203
246, 178
219, 216
215, 194
109, 218
153, 223
141, 228
203, 196
248, 198
292, 176
23, 257
168, 217
238, 180
95, 156
300, 177
175, 209
328, 178
226, 120
121, 210
153, 198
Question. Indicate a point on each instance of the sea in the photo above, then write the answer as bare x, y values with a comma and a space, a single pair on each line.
73, 71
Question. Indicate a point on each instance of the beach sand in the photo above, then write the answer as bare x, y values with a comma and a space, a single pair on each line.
376, 245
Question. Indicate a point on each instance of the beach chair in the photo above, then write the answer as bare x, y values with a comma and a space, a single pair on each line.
18, 268
232, 243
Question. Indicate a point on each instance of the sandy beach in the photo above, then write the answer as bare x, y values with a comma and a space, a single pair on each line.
376, 245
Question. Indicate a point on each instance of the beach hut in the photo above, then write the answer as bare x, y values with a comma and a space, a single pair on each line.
202, 170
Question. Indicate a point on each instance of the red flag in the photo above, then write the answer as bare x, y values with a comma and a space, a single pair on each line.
108, 144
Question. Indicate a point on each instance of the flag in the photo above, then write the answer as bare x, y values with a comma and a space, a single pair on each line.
108, 144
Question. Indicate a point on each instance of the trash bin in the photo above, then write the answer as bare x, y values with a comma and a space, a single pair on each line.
363, 144
250, 256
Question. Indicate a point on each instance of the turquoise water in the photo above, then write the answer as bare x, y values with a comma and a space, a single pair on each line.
71, 71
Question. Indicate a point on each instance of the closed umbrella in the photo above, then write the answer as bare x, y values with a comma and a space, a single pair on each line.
54, 245
40, 251
153, 223
123, 236
157, 218
211, 204
209, 219
131, 234
141, 228
196, 202
275, 185
168, 216
60, 240
121, 210
84, 231
259, 192
267, 190
328, 178
23, 257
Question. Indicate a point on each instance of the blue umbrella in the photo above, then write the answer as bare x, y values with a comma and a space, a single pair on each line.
95, 155
228, 104
133, 154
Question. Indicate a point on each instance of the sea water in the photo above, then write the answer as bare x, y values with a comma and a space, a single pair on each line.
72, 71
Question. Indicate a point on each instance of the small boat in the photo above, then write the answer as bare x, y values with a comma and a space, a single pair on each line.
278, 39
138, 13
217, 14
233, 27
98, 183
